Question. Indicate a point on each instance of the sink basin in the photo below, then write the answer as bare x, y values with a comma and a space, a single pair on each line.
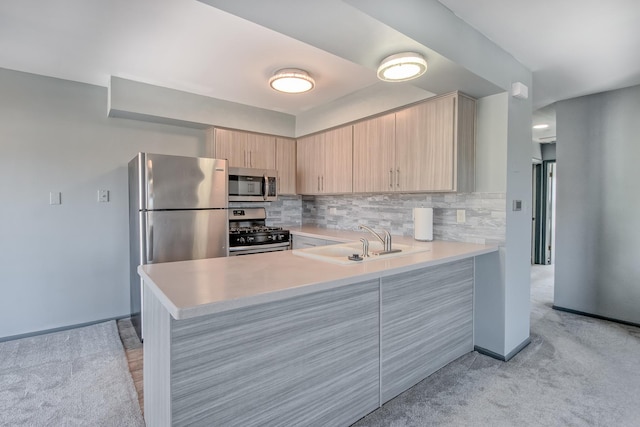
338, 254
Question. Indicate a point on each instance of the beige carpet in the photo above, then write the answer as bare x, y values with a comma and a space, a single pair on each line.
77, 377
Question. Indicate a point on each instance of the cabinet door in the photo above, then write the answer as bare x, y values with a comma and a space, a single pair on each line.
231, 145
311, 360
426, 322
286, 165
261, 151
374, 160
338, 164
425, 146
310, 164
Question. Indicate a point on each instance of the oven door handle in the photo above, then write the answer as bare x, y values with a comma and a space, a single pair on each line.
267, 246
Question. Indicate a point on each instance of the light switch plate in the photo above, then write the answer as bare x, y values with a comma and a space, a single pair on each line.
517, 205
103, 196
55, 198
461, 216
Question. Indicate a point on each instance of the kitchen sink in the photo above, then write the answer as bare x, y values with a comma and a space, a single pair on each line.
339, 254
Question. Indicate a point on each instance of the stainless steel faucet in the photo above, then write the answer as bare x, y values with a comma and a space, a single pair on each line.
386, 241
365, 247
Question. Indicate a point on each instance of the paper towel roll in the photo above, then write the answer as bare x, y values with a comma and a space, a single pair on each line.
423, 224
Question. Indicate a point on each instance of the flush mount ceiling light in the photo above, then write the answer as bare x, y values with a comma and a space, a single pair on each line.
292, 80
541, 126
401, 67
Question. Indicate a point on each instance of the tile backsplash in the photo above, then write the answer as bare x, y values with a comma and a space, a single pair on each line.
485, 213
286, 211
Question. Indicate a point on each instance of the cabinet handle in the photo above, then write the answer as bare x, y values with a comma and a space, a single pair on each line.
250, 160
390, 178
322, 182
398, 177
245, 158
318, 182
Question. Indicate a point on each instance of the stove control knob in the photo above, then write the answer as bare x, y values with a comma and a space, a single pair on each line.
250, 239
269, 237
241, 240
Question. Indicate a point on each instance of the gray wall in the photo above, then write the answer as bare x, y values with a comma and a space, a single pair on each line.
597, 232
67, 264
491, 143
537, 152
141, 101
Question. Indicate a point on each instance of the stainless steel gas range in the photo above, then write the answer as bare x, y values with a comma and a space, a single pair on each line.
248, 233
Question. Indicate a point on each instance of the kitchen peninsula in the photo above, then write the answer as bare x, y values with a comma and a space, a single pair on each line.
278, 339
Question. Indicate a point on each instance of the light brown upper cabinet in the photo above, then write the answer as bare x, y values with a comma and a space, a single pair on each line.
244, 149
325, 162
435, 145
426, 147
374, 155
286, 165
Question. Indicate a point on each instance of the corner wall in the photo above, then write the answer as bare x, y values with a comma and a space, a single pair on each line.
67, 264
597, 234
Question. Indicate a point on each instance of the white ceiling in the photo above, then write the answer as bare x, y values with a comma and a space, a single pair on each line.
573, 47
179, 44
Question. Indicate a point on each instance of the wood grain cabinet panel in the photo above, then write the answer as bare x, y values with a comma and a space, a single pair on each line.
338, 170
374, 160
261, 150
426, 322
428, 147
435, 145
325, 162
243, 149
309, 164
286, 165
306, 361
230, 145
425, 146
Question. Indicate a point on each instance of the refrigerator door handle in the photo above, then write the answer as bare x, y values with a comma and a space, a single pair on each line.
150, 242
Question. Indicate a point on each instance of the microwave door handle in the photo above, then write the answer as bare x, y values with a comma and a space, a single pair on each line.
265, 190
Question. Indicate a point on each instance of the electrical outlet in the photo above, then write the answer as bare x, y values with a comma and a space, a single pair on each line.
461, 216
103, 196
333, 211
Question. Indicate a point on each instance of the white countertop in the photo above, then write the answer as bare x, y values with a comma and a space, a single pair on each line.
195, 288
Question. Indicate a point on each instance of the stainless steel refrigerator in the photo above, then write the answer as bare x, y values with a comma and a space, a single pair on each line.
177, 211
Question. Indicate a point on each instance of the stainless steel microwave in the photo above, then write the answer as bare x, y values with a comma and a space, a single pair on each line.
252, 185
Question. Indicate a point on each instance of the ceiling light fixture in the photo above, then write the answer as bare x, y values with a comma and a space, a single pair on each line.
541, 126
401, 67
292, 80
